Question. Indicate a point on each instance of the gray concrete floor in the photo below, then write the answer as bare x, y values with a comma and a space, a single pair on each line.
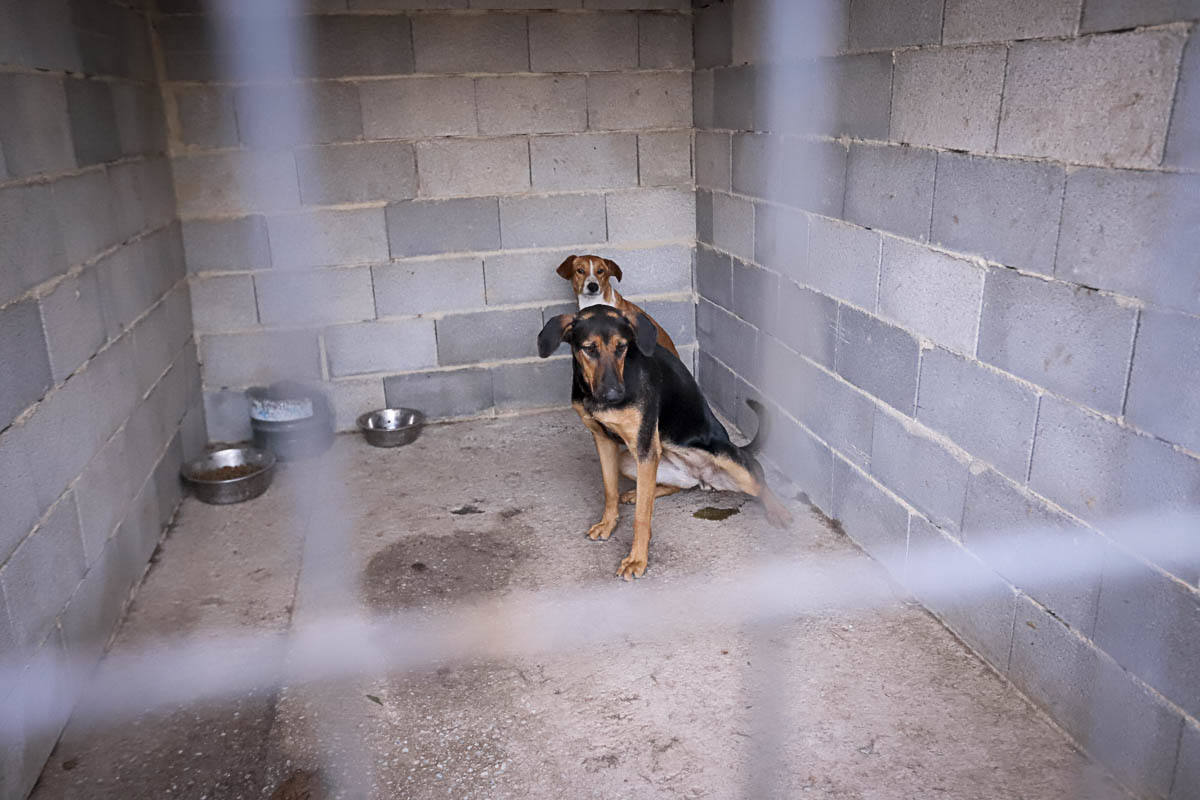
880, 704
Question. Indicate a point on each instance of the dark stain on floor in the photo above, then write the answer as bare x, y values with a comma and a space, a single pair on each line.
417, 570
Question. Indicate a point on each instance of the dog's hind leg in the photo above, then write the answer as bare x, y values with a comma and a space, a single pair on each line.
670, 479
748, 478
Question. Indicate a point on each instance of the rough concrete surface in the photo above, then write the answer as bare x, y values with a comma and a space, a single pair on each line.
880, 704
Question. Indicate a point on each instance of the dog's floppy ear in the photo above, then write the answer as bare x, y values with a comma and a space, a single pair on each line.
554, 333
647, 335
566, 268
613, 268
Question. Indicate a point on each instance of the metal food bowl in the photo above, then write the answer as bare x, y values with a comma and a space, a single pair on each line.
391, 427
219, 491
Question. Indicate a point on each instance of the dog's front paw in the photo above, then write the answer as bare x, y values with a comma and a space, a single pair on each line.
632, 567
602, 529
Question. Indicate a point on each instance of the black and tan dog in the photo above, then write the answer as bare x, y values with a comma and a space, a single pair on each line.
630, 390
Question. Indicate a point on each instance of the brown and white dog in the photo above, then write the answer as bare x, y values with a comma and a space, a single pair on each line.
591, 278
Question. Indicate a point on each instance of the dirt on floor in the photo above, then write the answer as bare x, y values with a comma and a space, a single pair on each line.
879, 704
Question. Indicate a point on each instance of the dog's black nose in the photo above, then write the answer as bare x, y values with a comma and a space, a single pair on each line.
593, 287
612, 395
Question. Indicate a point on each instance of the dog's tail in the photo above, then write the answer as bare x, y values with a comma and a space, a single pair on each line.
764, 427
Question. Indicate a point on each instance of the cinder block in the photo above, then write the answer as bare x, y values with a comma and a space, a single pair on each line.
351, 398
103, 493
651, 214
665, 158
1002, 209
1136, 233
450, 167
982, 617
227, 416
328, 237
1164, 385
523, 277
677, 318
678, 5
807, 322
630, 100
42, 573
488, 336
704, 217
381, 347
305, 113
256, 359
344, 45
583, 42
1116, 720
424, 227
1183, 138
141, 120
870, 516
1005, 20
1149, 624
1099, 471
17, 482
734, 96
34, 37
1108, 15
803, 459
733, 225
781, 239
703, 113
206, 115
419, 287
807, 174
300, 297
1096, 100
235, 183
718, 385
664, 41
714, 277
883, 25
1005, 526
655, 270
31, 246
521, 104
584, 161
861, 94
931, 294
948, 97
755, 295
907, 459
487, 43
713, 160
877, 358
890, 188
93, 122
552, 220
405, 5
74, 325
86, 201
223, 303
143, 197
520, 5
158, 338
1072, 341
357, 173
442, 395
712, 35
27, 373
728, 338
1187, 770
227, 243
544, 384
986, 413
96, 606
414, 107
35, 130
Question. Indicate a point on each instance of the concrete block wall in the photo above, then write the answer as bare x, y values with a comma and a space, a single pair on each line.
99, 381
401, 249
956, 250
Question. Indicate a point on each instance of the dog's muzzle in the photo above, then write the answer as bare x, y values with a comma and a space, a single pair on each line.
593, 288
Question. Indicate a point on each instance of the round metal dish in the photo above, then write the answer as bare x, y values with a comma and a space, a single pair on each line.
229, 490
391, 427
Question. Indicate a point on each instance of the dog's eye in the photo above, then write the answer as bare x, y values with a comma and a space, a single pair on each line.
579, 271
599, 272
621, 348
590, 350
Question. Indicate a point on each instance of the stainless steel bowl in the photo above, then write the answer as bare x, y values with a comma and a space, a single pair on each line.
391, 427
196, 474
